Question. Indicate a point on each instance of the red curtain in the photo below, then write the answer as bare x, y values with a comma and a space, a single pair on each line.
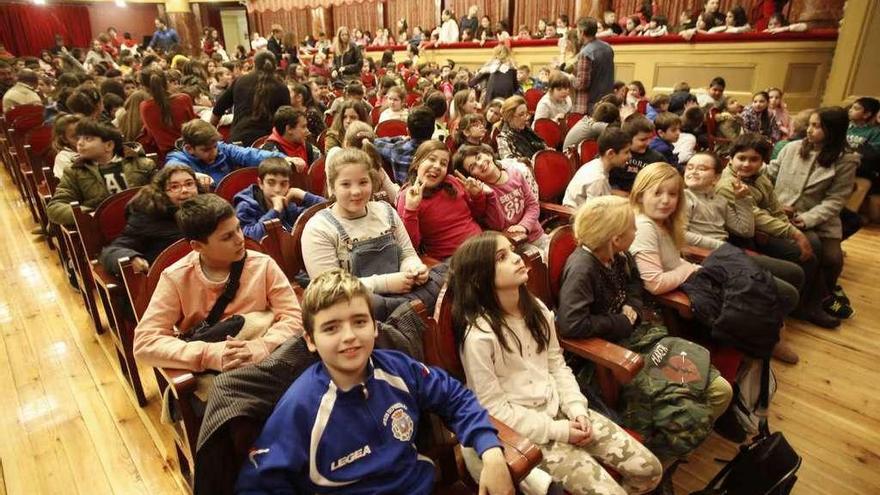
27, 29
416, 12
529, 11
673, 8
363, 16
495, 9
299, 21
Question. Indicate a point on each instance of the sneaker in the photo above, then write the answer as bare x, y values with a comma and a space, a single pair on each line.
840, 295
837, 308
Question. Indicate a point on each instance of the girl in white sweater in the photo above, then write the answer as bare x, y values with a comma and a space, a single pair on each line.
514, 364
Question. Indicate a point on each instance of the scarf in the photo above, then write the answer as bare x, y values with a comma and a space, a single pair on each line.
524, 141
288, 148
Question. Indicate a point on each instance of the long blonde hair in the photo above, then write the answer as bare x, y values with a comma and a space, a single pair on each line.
652, 177
599, 219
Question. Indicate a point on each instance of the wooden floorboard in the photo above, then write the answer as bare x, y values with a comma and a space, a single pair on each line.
69, 423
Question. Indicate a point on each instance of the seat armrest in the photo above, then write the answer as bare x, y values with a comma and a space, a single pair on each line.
677, 300
695, 254
516, 239
520, 453
555, 209
182, 382
623, 363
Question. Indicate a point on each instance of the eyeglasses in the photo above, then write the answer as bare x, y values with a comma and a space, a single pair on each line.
178, 186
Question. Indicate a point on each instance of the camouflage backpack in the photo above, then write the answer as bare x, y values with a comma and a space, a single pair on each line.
667, 401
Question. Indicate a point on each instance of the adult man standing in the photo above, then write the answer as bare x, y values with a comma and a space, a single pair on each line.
594, 71
164, 38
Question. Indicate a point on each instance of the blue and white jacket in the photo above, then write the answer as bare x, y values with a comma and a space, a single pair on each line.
320, 439
250, 208
229, 157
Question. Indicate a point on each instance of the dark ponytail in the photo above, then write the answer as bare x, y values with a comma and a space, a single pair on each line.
264, 66
157, 85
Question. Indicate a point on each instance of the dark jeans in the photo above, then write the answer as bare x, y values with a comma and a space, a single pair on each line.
814, 288
789, 278
830, 257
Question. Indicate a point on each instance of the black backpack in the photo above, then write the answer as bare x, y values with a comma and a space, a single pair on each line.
766, 466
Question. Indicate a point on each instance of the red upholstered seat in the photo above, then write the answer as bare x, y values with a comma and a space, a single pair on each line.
533, 96
391, 128
552, 173
549, 131
588, 149
235, 182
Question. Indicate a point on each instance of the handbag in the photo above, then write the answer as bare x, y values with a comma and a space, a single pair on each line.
212, 330
766, 466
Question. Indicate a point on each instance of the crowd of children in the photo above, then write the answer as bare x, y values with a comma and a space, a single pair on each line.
401, 216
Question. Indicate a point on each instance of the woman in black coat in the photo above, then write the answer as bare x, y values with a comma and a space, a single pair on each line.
150, 225
347, 57
499, 74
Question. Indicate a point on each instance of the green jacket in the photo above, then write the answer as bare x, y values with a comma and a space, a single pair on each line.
83, 182
770, 218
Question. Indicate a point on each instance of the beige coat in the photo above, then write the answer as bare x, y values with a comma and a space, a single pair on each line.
817, 193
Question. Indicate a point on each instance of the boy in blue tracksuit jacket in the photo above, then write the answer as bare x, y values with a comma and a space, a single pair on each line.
668, 127
200, 149
348, 423
271, 197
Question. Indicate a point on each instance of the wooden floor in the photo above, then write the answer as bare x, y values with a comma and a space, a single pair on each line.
68, 423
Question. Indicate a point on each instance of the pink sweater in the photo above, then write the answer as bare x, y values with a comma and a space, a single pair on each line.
184, 297
518, 205
442, 223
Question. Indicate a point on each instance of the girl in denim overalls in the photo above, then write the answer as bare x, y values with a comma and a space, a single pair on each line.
366, 238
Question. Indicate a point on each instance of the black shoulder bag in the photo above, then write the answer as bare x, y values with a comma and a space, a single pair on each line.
766, 466
212, 330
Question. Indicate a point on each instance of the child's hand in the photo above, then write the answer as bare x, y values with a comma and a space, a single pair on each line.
205, 180
296, 194
517, 229
583, 423
236, 354
297, 163
631, 314
798, 222
789, 211
803, 244
419, 274
577, 436
400, 283
473, 186
140, 265
740, 190
279, 203
495, 476
414, 196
